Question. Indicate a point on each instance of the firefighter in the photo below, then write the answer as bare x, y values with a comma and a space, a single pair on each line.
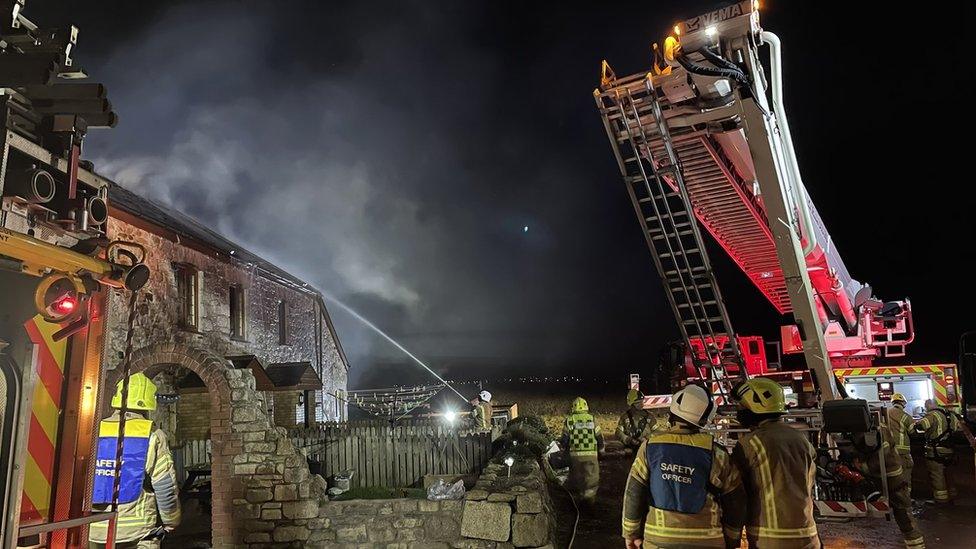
778, 468
938, 425
899, 483
634, 424
481, 411
900, 423
584, 442
683, 490
149, 505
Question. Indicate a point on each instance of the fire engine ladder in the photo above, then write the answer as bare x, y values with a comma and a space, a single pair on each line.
636, 125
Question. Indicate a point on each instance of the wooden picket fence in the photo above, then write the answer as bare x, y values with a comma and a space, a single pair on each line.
193, 453
397, 456
380, 455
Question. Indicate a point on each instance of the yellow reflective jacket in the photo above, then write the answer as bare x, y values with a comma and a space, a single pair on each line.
720, 520
900, 423
936, 424
634, 426
581, 435
778, 469
155, 507
871, 463
481, 414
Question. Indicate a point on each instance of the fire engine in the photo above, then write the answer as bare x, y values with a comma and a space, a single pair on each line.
56, 266
703, 144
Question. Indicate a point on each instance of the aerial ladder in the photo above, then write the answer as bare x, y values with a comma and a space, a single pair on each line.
702, 141
704, 146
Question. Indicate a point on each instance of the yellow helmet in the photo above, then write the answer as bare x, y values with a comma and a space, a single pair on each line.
142, 393
633, 396
761, 395
898, 397
580, 406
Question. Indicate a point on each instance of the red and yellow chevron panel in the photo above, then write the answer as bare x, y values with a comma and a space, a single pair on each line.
42, 436
942, 375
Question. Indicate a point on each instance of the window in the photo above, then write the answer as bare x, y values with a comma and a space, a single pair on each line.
237, 311
188, 282
283, 327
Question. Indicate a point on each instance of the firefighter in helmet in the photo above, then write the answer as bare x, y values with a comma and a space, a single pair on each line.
149, 504
683, 490
584, 442
634, 424
481, 411
866, 447
938, 425
778, 467
900, 424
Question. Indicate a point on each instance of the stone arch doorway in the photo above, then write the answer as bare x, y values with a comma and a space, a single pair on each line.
262, 491
213, 371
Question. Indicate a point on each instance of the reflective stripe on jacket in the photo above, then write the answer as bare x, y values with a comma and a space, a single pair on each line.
778, 468
717, 518
582, 432
900, 423
632, 427
160, 505
936, 424
871, 464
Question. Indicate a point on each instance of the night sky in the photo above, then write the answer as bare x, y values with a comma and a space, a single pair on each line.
393, 154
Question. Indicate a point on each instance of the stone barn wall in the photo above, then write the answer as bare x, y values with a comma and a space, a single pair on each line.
158, 320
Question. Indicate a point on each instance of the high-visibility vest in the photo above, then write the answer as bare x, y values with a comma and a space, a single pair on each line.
582, 431
679, 467
135, 447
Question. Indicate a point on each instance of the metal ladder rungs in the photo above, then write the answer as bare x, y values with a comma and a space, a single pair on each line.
702, 303
685, 253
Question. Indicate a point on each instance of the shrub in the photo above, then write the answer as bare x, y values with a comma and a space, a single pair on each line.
524, 436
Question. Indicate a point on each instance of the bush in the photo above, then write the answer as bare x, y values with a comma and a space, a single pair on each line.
524, 436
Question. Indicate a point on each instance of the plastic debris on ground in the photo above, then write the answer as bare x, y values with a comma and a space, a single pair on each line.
441, 490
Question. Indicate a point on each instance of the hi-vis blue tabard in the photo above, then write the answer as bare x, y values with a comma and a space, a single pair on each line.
679, 467
135, 446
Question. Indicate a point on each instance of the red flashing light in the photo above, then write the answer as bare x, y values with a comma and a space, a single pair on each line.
65, 305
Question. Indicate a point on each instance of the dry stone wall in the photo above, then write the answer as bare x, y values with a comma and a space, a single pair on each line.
501, 512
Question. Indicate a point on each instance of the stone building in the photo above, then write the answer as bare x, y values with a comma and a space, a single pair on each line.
240, 351
208, 294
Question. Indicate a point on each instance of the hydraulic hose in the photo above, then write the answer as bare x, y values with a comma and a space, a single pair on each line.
720, 61
723, 72
779, 111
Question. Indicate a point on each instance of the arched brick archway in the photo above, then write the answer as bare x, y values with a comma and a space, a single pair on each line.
213, 371
262, 490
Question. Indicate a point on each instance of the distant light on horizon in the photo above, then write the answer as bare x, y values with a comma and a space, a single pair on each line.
525, 229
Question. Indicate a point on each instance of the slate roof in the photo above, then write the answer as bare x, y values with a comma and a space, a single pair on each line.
186, 228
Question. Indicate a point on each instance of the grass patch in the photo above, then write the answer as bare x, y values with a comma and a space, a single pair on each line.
379, 492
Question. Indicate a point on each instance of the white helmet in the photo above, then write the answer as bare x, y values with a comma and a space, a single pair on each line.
693, 404
485, 396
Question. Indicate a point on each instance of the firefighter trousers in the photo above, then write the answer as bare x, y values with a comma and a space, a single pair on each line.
899, 492
942, 489
584, 477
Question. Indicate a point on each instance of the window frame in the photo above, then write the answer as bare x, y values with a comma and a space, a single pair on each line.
237, 303
188, 289
284, 326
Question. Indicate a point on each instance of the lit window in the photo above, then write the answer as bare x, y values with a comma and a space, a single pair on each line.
238, 312
283, 327
188, 282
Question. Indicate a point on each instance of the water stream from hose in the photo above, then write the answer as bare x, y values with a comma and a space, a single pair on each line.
395, 343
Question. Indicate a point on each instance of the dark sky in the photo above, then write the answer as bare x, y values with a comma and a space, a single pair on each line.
391, 153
